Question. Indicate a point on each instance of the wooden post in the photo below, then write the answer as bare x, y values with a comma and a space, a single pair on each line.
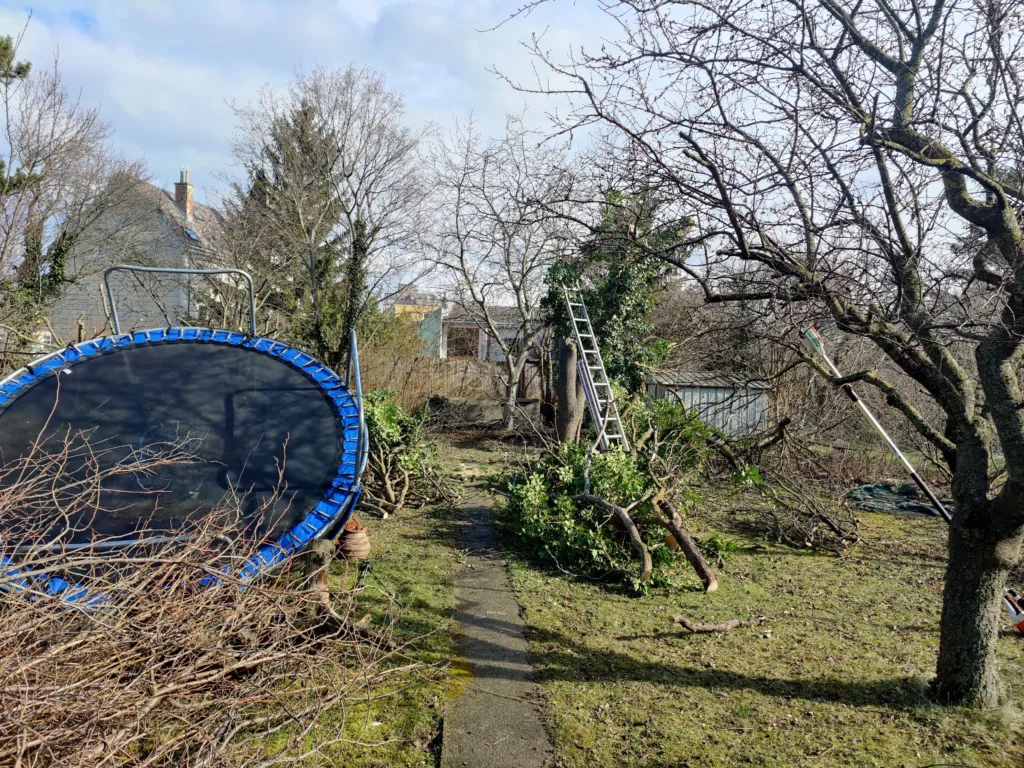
318, 563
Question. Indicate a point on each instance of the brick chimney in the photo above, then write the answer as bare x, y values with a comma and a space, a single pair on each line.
183, 194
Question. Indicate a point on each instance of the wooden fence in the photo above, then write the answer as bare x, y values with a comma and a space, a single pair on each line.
418, 378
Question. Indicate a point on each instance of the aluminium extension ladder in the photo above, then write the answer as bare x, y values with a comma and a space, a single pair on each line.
596, 387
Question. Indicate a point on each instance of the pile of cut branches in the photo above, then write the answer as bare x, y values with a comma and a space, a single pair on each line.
796, 514
403, 467
598, 513
168, 659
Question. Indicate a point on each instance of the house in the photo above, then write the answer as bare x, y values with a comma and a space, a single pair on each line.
161, 230
465, 333
411, 303
450, 329
726, 401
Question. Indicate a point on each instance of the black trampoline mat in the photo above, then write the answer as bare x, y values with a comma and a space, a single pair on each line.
243, 414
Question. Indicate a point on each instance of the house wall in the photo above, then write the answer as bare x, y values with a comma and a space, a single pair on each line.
147, 301
487, 348
737, 412
151, 231
491, 349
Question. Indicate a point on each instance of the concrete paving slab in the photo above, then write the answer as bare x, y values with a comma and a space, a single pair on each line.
495, 722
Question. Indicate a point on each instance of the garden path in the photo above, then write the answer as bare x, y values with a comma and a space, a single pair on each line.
495, 721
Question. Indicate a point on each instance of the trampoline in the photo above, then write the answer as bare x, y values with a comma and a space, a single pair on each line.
264, 425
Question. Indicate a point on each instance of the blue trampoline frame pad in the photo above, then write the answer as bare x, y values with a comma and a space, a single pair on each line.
329, 513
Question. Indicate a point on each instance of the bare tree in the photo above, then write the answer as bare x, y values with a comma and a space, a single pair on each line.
334, 195
61, 187
833, 152
493, 237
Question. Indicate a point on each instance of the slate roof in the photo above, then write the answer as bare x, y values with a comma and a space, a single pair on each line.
503, 317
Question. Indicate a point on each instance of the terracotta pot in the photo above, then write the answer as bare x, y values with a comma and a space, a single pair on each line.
354, 542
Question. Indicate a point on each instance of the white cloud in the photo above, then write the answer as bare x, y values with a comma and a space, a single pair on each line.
165, 70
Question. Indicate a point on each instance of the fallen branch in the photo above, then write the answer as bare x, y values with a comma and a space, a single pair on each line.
627, 522
675, 525
373, 509
703, 627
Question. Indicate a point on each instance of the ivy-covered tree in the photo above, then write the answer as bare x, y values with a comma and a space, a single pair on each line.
619, 270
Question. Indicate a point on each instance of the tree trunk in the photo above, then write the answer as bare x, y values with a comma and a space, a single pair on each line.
569, 411
514, 372
356, 276
979, 562
547, 384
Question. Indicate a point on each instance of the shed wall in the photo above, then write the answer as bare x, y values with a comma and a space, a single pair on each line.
737, 412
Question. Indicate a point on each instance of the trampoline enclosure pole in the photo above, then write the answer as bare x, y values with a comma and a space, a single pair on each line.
815, 344
352, 379
177, 271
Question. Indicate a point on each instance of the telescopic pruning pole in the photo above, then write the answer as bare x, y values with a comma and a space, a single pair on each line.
814, 342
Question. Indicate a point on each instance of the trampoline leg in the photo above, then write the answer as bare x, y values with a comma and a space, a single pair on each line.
318, 563
366, 570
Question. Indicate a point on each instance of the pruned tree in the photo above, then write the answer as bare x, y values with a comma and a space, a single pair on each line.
494, 238
331, 209
832, 152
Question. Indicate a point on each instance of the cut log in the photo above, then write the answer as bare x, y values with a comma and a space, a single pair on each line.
681, 534
627, 522
704, 627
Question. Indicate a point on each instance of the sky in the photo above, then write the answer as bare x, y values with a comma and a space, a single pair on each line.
164, 72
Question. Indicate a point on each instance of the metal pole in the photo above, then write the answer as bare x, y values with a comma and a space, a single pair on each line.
815, 343
175, 270
363, 439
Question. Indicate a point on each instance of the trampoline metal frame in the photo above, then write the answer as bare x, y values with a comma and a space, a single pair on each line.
175, 271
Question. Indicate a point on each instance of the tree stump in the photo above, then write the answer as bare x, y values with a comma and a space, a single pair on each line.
318, 562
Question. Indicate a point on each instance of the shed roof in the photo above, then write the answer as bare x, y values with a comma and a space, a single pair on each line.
501, 316
707, 379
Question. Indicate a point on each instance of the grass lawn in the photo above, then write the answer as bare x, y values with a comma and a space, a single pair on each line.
414, 555
836, 678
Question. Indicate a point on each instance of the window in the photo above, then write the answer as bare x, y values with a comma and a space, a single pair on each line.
192, 235
463, 341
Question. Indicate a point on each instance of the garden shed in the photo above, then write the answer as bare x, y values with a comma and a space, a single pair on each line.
726, 401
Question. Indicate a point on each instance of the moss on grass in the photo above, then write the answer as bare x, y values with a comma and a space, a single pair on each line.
838, 677
414, 556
